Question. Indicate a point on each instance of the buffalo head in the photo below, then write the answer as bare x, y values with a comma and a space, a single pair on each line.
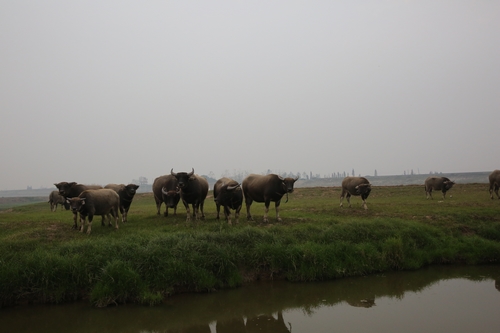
182, 177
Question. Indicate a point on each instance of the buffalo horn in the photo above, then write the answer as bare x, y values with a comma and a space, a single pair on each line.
173, 173
230, 188
164, 191
191, 173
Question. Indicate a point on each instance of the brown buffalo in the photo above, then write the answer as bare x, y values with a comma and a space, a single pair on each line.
54, 199
228, 194
166, 190
265, 189
95, 202
193, 190
494, 179
72, 190
355, 186
126, 194
442, 184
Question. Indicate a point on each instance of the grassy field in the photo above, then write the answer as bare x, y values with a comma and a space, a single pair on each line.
151, 257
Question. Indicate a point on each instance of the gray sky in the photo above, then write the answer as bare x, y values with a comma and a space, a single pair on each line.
107, 91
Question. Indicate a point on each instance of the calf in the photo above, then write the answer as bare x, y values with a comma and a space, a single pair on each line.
54, 199
228, 193
72, 190
95, 202
355, 186
126, 194
442, 184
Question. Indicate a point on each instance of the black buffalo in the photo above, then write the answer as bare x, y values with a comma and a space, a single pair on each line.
494, 179
126, 194
442, 184
193, 190
355, 186
72, 190
228, 194
95, 202
166, 190
265, 189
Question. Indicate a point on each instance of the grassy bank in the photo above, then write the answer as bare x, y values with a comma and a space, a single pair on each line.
151, 257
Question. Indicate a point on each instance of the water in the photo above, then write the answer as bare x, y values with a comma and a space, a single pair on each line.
435, 299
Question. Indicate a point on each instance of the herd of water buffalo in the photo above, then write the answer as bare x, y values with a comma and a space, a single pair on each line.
191, 189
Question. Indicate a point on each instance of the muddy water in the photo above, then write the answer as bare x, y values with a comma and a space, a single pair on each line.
435, 299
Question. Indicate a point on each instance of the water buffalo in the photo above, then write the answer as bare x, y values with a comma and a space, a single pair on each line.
95, 202
72, 190
126, 194
228, 194
193, 190
54, 199
265, 189
442, 184
166, 190
494, 183
355, 186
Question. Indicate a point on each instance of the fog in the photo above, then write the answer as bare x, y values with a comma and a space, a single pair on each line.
104, 92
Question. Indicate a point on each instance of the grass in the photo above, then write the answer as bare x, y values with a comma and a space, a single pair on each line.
151, 257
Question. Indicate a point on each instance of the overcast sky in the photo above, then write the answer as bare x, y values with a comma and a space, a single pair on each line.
102, 92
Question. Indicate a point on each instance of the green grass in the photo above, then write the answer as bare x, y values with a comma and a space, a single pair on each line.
151, 257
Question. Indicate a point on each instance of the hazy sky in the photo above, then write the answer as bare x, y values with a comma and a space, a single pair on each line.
107, 91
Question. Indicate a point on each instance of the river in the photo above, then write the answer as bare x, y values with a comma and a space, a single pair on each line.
434, 299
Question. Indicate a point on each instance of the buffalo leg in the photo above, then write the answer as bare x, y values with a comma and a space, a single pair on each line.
201, 210
188, 211
266, 211
89, 228
277, 207
364, 202
123, 211
248, 203
227, 214
82, 223
237, 214
217, 206
158, 206
75, 224
342, 195
348, 197
116, 217
428, 193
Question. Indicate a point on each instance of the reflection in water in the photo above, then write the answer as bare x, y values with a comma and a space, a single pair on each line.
378, 301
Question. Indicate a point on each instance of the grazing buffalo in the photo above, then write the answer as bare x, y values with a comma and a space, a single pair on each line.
228, 194
95, 202
126, 194
166, 190
355, 186
54, 199
442, 184
193, 190
265, 189
494, 183
72, 190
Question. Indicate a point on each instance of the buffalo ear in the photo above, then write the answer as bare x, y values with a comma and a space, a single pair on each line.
83, 201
